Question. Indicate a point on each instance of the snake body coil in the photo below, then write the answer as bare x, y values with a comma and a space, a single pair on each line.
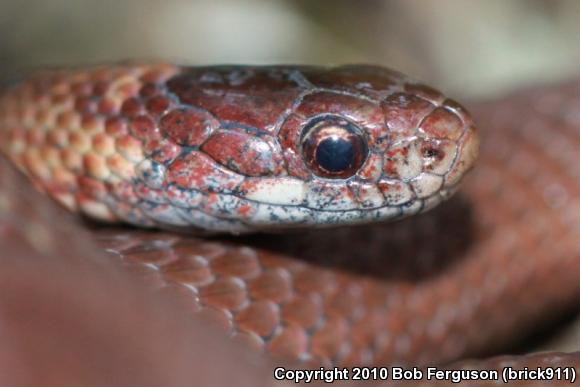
241, 149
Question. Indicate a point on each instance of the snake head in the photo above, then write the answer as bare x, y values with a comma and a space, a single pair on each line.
238, 148
303, 146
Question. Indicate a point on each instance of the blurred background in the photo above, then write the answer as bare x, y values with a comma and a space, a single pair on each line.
468, 48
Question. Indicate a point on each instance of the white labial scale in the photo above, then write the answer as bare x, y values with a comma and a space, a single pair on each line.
164, 214
397, 192
323, 195
184, 198
129, 213
224, 206
426, 184
330, 218
211, 223
386, 212
149, 194
281, 215
368, 195
278, 190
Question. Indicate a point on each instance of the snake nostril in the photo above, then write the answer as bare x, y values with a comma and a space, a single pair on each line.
333, 147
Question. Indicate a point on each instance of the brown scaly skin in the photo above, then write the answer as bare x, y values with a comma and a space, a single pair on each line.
49, 332
497, 266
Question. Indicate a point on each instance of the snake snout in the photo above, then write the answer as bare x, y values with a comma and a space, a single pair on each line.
433, 143
467, 151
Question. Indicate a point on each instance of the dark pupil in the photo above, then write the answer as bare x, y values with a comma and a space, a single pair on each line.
335, 154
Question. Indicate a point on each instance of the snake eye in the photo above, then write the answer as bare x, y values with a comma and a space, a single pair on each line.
333, 147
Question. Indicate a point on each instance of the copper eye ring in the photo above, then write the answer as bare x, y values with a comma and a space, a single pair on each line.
333, 147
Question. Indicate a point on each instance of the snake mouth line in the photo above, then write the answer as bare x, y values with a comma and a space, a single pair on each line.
280, 217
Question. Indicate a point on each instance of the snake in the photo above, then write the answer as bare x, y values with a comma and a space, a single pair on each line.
332, 216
